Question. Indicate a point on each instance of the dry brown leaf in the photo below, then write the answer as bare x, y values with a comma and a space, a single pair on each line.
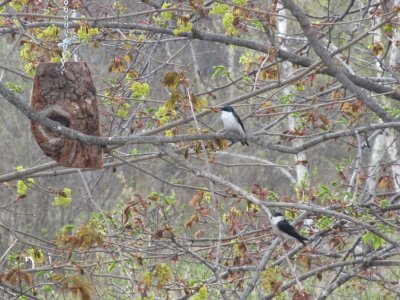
196, 198
193, 219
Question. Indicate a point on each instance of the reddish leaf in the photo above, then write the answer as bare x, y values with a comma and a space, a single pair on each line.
80, 270
193, 220
319, 276
301, 295
386, 182
159, 234
171, 79
203, 211
305, 260
324, 119
154, 198
276, 286
313, 193
198, 234
196, 198
302, 162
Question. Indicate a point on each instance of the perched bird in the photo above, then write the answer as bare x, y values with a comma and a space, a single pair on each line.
232, 122
284, 229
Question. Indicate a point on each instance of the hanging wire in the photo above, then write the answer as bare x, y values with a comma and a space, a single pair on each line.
66, 41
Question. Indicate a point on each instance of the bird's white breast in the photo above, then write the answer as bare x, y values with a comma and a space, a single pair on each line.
230, 123
274, 224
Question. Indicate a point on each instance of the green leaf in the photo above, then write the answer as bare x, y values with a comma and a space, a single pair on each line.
273, 196
286, 99
171, 80
169, 199
23, 186
163, 273
167, 15
388, 29
270, 277
123, 110
154, 196
111, 266
37, 255
220, 69
239, 2
63, 199
371, 239
14, 87
20, 168
324, 223
85, 34
367, 217
139, 89
290, 215
47, 288
384, 203
386, 229
201, 295
41, 273
227, 21
183, 25
68, 228
324, 193
50, 34
247, 57
219, 9
134, 151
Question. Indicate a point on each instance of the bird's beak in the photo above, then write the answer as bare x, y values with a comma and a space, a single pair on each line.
215, 109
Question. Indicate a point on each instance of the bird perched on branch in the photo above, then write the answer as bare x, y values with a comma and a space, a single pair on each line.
282, 227
232, 122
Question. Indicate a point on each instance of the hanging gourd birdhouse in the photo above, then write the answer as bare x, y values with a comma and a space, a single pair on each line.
70, 99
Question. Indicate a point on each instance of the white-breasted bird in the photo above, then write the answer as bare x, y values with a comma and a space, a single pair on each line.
232, 122
282, 227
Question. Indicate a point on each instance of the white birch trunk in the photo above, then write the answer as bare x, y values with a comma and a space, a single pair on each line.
301, 170
385, 142
378, 147
391, 139
378, 150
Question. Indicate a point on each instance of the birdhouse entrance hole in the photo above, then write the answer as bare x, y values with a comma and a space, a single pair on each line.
69, 99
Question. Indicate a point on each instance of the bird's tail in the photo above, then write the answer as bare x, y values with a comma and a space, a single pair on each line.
303, 240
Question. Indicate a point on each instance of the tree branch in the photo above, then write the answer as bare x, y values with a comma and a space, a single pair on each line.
329, 62
232, 40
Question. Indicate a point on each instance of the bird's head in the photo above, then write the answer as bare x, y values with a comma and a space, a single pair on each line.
227, 108
277, 214
277, 217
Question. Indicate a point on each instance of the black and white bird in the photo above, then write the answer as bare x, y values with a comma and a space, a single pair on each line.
282, 227
232, 122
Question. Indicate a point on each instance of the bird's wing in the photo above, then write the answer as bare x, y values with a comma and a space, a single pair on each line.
238, 119
289, 229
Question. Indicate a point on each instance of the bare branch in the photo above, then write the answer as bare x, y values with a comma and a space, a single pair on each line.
327, 60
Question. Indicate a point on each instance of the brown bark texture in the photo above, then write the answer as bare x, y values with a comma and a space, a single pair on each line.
69, 99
